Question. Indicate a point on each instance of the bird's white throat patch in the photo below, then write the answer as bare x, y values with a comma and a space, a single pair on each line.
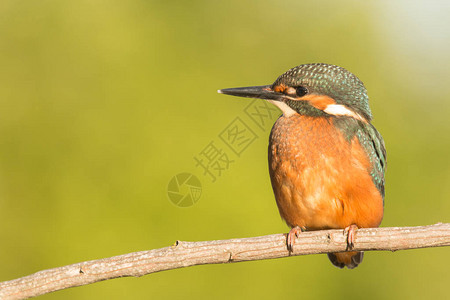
287, 111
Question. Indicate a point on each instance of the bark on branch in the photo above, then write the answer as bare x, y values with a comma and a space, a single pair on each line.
185, 254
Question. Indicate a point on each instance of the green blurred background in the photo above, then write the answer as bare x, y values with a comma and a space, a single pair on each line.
102, 102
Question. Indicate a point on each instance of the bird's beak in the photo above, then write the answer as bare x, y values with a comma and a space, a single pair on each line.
261, 92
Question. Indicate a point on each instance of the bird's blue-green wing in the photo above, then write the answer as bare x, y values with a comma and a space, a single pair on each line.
373, 143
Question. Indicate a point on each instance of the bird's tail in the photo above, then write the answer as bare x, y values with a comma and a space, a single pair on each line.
349, 259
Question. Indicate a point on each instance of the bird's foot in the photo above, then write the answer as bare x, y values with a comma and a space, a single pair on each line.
350, 231
293, 234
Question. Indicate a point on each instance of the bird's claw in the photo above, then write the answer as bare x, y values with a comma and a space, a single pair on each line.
350, 231
293, 234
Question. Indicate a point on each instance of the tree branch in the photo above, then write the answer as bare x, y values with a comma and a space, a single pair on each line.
185, 254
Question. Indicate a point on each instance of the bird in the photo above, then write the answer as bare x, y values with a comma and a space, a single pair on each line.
327, 161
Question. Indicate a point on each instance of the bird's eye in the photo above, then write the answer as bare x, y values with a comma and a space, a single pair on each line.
301, 91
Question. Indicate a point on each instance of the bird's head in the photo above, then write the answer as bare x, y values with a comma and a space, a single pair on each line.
314, 90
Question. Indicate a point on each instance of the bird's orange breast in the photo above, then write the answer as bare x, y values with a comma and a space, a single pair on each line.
320, 179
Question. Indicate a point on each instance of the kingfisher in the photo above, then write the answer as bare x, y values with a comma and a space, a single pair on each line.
326, 160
